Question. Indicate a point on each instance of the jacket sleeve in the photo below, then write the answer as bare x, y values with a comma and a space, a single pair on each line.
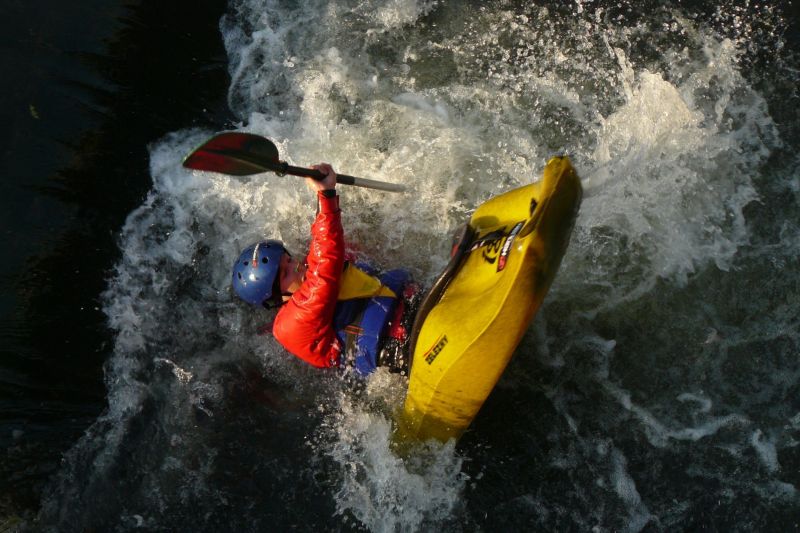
304, 324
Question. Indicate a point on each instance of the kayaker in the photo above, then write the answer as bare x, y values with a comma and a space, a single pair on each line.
332, 312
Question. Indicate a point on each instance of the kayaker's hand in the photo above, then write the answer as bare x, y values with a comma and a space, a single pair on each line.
329, 182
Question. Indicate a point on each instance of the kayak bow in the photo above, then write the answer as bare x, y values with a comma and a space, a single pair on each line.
476, 313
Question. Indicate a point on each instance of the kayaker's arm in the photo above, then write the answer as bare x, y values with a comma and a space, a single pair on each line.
304, 325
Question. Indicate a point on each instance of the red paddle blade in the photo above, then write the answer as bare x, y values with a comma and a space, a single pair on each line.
235, 153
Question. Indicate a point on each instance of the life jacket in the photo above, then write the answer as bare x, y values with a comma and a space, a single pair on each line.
365, 306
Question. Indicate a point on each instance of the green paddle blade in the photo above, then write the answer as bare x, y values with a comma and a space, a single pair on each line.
235, 153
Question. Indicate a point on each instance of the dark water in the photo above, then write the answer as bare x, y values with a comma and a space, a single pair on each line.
87, 87
649, 395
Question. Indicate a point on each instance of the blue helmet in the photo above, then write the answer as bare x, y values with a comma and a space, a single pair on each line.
255, 273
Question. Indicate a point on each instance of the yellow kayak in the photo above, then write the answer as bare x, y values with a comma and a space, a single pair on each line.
476, 313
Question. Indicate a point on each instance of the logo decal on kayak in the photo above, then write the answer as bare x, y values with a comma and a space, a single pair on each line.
497, 245
491, 247
436, 349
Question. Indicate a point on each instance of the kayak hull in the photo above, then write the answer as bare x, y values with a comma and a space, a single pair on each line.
475, 315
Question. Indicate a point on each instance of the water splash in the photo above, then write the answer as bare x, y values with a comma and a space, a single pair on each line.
460, 102
385, 491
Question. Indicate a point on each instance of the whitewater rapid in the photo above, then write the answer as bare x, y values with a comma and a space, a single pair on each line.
631, 402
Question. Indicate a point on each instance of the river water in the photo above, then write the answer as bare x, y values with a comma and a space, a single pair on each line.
658, 389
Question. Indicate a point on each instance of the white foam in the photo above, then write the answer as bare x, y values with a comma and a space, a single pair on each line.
704, 403
765, 448
659, 433
457, 115
786, 493
658, 205
184, 376
625, 487
384, 491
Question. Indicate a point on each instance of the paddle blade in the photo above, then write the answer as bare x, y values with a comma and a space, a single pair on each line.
235, 153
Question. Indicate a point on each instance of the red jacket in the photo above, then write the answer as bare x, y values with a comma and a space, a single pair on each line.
304, 324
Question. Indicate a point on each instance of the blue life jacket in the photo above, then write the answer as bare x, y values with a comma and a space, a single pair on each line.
361, 323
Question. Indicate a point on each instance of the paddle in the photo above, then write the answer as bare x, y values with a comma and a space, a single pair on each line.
244, 154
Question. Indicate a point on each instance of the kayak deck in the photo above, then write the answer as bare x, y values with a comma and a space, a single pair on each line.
477, 311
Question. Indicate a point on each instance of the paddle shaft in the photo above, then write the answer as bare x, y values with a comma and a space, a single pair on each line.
284, 168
